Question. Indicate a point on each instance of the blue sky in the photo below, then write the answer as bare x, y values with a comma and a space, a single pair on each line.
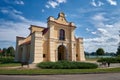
97, 21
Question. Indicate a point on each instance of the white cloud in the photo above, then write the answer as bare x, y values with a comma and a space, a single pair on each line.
54, 3
100, 3
93, 3
13, 13
96, 3
47, 6
87, 29
61, 1
20, 2
10, 10
109, 26
4, 11
19, 17
93, 44
103, 32
106, 34
17, 12
112, 2
6, 44
13, 29
43, 10
10, 29
99, 17
93, 32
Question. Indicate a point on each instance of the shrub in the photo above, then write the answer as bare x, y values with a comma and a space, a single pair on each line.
83, 65
109, 60
7, 60
45, 65
118, 58
67, 65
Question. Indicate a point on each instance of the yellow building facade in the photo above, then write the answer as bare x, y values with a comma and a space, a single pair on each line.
54, 43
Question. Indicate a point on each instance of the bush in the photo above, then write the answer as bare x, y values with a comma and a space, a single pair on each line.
118, 58
109, 60
67, 65
45, 65
6, 60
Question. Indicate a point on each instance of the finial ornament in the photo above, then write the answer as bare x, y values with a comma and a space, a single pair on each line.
61, 14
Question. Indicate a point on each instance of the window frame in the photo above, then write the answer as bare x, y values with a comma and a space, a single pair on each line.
61, 34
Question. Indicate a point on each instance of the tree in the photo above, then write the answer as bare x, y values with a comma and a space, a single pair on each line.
10, 51
93, 53
100, 51
4, 53
0, 51
86, 53
118, 51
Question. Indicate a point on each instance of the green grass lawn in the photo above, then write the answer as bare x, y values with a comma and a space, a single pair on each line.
92, 59
9, 64
56, 71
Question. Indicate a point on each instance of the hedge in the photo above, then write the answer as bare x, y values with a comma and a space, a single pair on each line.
67, 65
6, 60
109, 60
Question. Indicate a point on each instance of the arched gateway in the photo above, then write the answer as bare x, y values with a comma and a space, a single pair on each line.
62, 53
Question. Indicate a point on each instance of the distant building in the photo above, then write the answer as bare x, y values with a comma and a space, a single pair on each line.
1, 51
54, 43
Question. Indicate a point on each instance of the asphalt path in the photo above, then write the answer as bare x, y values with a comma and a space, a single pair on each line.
104, 76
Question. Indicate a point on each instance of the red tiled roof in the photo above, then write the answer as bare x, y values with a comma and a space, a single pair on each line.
28, 42
1, 51
20, 37
45, 30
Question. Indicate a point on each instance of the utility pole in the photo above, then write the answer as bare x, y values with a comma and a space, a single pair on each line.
119, 37
118, 50
119, 40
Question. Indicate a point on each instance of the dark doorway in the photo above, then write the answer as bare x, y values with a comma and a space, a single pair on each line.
61, 53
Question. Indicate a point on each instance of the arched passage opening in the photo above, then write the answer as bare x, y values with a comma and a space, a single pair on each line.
62, 53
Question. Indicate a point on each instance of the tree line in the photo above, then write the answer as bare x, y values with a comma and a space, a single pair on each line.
100, 51
7, 52
118, 50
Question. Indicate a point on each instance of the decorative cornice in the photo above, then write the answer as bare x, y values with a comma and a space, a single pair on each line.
35, 26
63, 24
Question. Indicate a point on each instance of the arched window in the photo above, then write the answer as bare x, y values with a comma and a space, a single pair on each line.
62, 34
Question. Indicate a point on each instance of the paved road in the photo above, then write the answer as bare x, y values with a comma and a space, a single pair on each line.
107, 76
